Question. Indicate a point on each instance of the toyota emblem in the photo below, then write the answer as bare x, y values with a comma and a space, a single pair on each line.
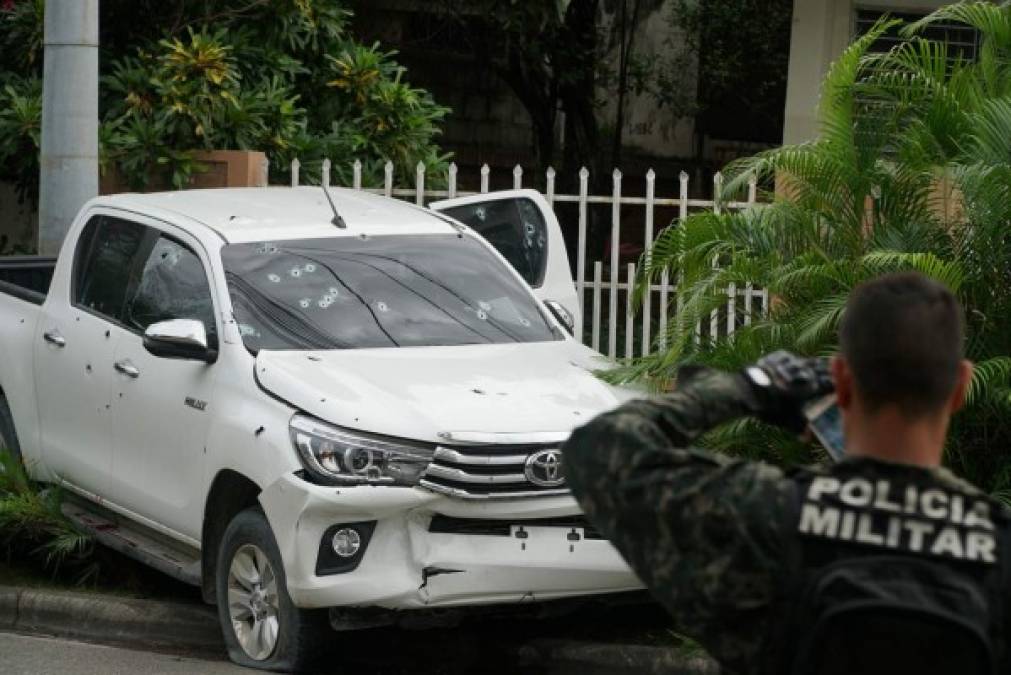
544, 468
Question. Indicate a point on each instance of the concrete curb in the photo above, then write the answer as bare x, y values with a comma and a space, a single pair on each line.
85, 616
182, 627
562, 657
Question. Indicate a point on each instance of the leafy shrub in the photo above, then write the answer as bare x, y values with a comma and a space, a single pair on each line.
911, 171
32, 524
282, 76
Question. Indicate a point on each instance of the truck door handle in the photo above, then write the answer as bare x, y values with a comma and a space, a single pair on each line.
53, 337
127, 368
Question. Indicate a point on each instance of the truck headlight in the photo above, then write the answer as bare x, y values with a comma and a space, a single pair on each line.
338, 456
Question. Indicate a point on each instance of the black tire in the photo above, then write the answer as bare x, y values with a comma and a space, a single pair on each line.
8, 435
300, 633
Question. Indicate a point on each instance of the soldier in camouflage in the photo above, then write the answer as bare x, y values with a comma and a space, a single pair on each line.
718, 541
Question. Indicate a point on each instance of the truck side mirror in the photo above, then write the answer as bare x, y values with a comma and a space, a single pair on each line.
179, 339
563, 315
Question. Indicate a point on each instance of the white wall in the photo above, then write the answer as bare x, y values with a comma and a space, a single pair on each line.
821, 31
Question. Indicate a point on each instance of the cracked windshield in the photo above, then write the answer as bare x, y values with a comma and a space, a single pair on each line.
388, 291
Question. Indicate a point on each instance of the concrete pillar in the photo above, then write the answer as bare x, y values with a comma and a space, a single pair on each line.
69, 153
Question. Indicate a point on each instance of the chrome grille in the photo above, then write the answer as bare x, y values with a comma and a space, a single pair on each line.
486, 472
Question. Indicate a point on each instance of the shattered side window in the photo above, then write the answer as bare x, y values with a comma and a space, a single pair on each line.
370, 292
172, 285
513, 226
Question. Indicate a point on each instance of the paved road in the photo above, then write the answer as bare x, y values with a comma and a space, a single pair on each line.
25, 655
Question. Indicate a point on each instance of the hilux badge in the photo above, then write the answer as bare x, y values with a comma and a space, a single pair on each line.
544, 468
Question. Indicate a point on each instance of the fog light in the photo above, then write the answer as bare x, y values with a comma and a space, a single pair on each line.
346, 542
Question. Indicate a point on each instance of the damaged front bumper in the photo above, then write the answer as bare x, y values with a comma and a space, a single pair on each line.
430, 551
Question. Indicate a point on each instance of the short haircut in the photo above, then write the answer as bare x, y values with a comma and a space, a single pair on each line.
902, 336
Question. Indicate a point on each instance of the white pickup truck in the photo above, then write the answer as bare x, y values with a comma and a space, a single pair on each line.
318, 407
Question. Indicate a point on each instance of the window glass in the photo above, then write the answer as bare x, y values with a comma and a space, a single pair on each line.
106, 253
172, 285
515, 227
388, 291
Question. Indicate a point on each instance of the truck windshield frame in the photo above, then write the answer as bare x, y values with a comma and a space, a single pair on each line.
378, 292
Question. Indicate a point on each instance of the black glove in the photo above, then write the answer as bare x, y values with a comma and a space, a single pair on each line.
783, 383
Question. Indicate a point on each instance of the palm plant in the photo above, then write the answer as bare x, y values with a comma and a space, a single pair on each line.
910, 172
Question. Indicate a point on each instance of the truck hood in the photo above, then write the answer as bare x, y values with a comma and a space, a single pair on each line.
425, 392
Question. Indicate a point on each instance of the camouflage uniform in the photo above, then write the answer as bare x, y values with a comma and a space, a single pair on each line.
709, 535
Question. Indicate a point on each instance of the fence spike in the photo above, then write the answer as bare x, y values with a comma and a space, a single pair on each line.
517, 177
388, 179
615, 265
584, 179
294, 172
356, 178
452, 179
325, 176
485, 170
647, 298
419, 184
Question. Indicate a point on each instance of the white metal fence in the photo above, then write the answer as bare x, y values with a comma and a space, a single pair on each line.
626, 334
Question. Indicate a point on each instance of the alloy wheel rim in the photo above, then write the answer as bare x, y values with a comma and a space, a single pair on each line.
253, 604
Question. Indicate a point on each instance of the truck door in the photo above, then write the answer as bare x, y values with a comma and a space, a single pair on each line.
524, 229
73, 353
162, 406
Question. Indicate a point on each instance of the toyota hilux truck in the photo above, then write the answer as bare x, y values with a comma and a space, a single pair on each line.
327, 409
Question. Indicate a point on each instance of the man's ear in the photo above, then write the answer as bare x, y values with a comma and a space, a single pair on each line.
957, 399
843, 379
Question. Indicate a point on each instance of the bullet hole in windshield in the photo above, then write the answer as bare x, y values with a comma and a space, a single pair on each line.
246, 330
304, 303
296, 272
525, 321
481, 213
274, 278
382, 306
483, 315
310, 268
486, 306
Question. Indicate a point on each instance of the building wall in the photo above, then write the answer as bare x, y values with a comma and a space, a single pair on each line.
821, 31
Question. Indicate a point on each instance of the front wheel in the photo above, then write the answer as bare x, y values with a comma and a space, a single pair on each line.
262, 628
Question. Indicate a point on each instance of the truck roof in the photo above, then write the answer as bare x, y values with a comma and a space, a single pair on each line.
271, 213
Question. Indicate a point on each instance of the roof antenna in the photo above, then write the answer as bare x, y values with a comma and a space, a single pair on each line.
337, 220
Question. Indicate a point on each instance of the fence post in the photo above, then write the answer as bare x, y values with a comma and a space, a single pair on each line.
752, 189
629, 325
452, 179
356, 175
598, 273
294, 172
717, 190
388, 178
325, 175
584, 180
550, 187
265, 172
612, 299
484, 178
419, 184
647, 314
517, 177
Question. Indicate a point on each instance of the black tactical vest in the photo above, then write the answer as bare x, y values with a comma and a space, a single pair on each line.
893, 569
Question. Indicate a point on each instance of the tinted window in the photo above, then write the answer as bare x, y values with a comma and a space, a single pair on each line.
106, 252
172, 285
391, 291
516, 228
